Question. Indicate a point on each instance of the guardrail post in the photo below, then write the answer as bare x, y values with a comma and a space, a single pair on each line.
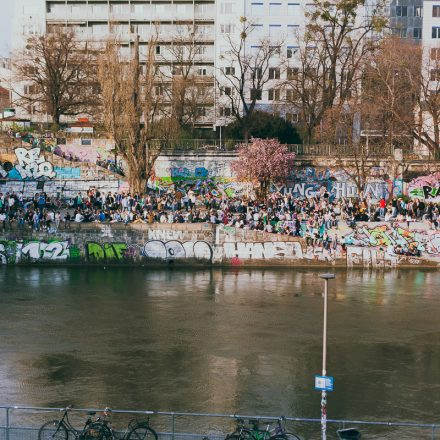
7, 423
173, 428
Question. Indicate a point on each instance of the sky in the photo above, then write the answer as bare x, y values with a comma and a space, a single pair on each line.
5, 22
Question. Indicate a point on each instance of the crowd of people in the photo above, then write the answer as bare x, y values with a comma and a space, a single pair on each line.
310, 218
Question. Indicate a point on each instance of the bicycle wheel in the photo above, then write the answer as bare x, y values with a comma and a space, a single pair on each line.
244, 435
142, 432
97, 431
285, 436
53, 431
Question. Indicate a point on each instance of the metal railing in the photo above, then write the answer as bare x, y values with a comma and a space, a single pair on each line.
23, 422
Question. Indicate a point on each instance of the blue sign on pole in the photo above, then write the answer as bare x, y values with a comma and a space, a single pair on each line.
324, 383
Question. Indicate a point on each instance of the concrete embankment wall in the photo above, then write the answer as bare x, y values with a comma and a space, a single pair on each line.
206, 245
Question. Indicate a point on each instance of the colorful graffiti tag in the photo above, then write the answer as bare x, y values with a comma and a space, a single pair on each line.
388, 236
31, 165
99, 252
308, 182
13, 252
425, 187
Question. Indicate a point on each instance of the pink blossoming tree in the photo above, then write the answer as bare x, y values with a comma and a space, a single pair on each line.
261, 162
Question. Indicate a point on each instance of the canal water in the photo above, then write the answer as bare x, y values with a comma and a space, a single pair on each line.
221, 341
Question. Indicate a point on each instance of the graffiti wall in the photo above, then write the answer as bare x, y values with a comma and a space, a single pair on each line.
371, 246
201, 174
307, 182
28, 164
425, 188
34, 250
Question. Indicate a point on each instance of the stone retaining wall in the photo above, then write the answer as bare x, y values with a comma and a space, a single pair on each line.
199, 244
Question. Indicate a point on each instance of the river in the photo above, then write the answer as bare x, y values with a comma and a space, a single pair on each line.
221, 341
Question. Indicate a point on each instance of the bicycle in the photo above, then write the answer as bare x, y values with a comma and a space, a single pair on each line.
60, 429
255, 433
136, 429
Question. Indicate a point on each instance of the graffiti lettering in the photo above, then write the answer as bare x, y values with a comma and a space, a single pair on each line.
288, 250
32, 165
370, 257
17, 251
106, 251
172, 250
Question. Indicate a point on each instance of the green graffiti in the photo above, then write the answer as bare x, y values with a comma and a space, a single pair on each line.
75, 253
106, 251
8, 252
12, 252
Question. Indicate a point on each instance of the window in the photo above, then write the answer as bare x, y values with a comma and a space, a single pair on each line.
158, 90
255, 51
226, 8
274, 30
257, 9
257, 30
275, 51
30, 90
418, 11
227, 28
292, 50
402, 33
257, 73
435, 75
436, 32
274, 73
176, 70
293, 9
292, 30
201, 111
228, 91
401, 11
201, 50
256, 94
292, 73
291, 95
417, 33
157, 50
292, 117
274, 95
229, 70
436, 11
435, 54
204, 8
225, 111
274, 9
86, 141
202, 71
160, 8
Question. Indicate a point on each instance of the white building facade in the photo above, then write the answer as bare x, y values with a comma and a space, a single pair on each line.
212, 25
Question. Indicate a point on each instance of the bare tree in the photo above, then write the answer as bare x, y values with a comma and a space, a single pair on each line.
391, 91
331, 57
245, 73
133, 98
356, 159
57, 73
427, 124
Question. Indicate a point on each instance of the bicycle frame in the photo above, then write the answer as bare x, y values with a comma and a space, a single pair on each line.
68, 425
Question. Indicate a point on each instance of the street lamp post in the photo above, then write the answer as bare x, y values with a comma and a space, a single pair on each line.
325, 277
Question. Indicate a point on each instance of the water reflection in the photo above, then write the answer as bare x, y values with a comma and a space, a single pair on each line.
220, 340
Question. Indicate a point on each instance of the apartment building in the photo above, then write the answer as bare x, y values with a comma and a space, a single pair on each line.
213, 27
406, 18
171, 23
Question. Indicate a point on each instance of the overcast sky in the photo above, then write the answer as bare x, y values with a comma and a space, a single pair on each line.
5, 22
